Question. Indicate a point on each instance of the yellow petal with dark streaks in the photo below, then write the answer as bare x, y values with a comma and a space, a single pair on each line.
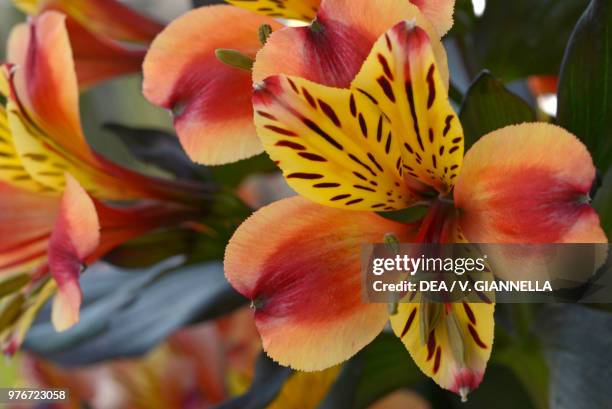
455, 347
42, 158
333, 145
12, 169
304, 10
402, 75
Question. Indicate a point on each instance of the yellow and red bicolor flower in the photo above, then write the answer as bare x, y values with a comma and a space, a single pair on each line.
62, 204
387, 141
107, 37
211, 100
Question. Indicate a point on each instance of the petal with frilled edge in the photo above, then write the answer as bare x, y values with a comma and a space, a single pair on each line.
107, 18
210, 100
75, 236
12, 170
304, 10
332, 50
439, 12
528, 183
402, 76
334, 145
300, 264
456, 346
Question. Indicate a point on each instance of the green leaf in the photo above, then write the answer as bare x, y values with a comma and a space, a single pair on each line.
380, 368
409, 215
519, 350
232, 174
126, 313
387, 367
160, 149
518, 38
268, 382
341, 395
488, 105
603, 204
578, 346
585, 84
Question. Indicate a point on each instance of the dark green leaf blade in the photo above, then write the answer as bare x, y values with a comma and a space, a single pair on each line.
519, 38
603, 204
488, 105
268, 382
126, 313
160, 149
578, 345
585, 84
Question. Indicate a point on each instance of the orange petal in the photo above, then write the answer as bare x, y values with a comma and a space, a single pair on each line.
75, 236
528, 183
45, 79
300, 264
45, 125
25, 225
97, 31
108, 18
291, 9
210, 100
99, 58
332, 50
439, 12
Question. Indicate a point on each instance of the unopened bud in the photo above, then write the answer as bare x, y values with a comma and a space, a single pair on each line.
234, 58
264, 32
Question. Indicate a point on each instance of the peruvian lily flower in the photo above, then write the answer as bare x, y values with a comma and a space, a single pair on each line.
108, 38
388, 141
62, 204
210, 100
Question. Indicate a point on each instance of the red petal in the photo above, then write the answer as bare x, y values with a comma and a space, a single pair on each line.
439, 12
25, 225
99, 58
528, 184
75, 236
332, 50
300, 263
210, 100
108, 18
